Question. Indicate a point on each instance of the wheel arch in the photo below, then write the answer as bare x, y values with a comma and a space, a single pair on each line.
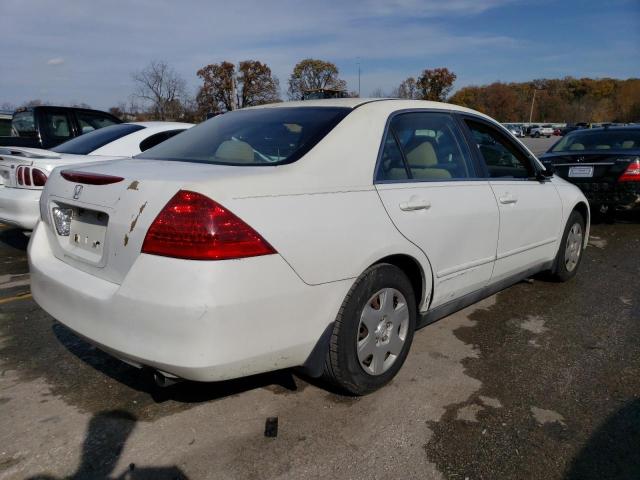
412, 268
583, 209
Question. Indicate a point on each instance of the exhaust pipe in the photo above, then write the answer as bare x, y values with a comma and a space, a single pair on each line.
163, 380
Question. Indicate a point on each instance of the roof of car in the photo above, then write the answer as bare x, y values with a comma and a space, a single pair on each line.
357, 102
616, 128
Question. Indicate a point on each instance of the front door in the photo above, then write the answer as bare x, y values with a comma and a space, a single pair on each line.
530, 208
433, 190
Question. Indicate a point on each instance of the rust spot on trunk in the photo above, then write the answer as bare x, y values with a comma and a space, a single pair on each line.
134, 222
134, 185
126, 239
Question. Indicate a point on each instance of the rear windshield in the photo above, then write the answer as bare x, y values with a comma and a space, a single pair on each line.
87, 143
261, 136
579, 140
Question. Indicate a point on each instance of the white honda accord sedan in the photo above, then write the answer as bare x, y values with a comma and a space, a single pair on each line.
318, 234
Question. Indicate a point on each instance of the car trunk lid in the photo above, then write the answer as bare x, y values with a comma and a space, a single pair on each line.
590, 167
109, 221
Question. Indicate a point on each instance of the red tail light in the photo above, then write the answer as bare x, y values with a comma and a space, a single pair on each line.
89, 178
20, 175
195, 227
27, 176
39, 177
632, 173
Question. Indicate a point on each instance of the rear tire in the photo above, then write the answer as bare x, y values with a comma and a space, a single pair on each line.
373, 331
569, 255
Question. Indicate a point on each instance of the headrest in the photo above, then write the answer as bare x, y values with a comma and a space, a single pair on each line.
235, 151
424, 155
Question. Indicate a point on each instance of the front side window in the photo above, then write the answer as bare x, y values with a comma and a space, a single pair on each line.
90, 121
252, 137
426, 146
56, 125
502, 158
87, 143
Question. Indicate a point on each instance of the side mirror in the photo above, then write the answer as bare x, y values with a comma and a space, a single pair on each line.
548, 171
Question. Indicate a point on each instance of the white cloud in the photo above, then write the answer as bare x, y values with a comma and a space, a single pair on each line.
55, 61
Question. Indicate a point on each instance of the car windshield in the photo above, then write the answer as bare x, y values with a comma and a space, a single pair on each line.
578, 140
87, 143
261, 136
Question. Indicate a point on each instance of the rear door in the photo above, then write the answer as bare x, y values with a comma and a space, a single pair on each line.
530, 208
435, 194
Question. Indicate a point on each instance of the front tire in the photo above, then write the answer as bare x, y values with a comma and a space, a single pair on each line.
569, 255
373, 331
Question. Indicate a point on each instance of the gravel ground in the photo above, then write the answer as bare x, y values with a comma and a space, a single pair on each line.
540, 381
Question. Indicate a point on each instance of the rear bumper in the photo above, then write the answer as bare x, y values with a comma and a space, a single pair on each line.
622, 196
198, 320
19, 207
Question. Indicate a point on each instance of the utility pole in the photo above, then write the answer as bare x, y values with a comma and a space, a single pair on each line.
532, 102
358, 76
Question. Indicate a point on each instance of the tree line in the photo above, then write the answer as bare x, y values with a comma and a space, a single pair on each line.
161, 93
556, 100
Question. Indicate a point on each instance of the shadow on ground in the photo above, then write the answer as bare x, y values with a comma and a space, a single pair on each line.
106, 437
613, 451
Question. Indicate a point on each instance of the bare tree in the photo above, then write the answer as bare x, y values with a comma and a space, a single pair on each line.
377, 93
407, 89
162, 87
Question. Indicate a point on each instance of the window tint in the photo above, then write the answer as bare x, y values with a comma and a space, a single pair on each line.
56, 125
154, 140
261, 136
89, 142
624, 139
5, 127
391, 164
23, 125
90, 121
503, 158
431, 148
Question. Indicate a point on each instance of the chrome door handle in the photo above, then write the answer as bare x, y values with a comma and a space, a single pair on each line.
507, 199
415, 204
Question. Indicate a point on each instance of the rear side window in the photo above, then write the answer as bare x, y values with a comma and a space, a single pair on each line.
424, 146
502, 158
158, 138
90, 121
252, 137
89, 142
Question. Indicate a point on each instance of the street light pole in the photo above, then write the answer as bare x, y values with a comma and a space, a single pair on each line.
532, 102
358, 76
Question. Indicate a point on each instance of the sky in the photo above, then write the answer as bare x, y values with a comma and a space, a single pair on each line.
71, 51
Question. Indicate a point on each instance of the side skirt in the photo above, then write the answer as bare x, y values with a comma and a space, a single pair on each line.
473, 297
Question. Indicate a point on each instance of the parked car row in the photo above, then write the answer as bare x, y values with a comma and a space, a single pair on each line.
317, 234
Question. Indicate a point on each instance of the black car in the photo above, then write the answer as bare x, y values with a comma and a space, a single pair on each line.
46, 126
603, 162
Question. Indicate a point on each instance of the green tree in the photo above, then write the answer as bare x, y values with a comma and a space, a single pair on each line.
313, 74
435, 84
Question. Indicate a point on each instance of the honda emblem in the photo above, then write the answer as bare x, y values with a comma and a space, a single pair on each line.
77, 191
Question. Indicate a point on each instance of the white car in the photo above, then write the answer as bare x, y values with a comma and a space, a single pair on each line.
318, 234
24, 171
541, 131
